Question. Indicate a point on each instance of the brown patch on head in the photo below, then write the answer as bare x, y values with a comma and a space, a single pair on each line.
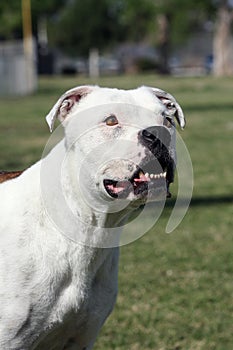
9, 175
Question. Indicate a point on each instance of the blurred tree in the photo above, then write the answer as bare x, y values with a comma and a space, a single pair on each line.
223, 43
99, 25
178, 19
11, 15
76, 25
82, 25
10, 19
136, 18
163, 41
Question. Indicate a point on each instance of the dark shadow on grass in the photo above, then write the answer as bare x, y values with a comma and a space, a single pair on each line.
202, 201
209, 107
182, 203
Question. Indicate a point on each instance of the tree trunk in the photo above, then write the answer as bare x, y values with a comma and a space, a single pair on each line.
223, 48
163, 42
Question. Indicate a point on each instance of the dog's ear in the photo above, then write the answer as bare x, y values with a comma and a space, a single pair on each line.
65, 103
172, 107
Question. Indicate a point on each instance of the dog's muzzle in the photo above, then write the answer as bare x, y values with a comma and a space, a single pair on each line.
157, 140
155, 171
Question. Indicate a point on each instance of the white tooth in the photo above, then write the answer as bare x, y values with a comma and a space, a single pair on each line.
146, 175
156, 176
151, 176
164, 174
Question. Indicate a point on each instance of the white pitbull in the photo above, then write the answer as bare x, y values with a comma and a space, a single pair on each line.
59, 246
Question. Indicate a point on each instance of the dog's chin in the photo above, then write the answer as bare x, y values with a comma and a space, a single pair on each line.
140, 186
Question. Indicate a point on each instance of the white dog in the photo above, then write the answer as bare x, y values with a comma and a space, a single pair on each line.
60, 220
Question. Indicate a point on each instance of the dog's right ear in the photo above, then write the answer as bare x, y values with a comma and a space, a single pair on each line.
173, 107
64, 105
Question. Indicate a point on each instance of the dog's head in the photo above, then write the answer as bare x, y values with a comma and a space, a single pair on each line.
123, 142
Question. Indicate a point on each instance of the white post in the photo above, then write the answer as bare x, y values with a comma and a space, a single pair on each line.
94, 71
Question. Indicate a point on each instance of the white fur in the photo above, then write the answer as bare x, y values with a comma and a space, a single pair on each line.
56, 293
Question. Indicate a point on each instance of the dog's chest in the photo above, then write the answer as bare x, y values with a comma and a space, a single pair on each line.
85, 300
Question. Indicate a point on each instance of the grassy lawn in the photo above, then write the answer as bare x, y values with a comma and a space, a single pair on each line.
175, 290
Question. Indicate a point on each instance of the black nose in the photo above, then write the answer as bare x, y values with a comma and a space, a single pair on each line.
155, 136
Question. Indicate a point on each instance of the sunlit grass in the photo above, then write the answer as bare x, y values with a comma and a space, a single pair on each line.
175, 289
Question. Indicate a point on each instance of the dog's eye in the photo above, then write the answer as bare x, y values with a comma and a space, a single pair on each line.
170, 105
111, 120
170, 108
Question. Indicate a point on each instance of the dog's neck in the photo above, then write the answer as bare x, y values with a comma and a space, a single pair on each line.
80, 220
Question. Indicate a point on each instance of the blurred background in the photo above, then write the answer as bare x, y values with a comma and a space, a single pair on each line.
175, 290
172, 37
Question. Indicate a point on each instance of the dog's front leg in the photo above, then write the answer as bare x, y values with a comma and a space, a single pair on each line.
102, 297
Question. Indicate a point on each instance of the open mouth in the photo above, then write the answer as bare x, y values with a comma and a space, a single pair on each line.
138, 184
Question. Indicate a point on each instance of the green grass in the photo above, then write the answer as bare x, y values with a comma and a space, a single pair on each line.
175, 290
